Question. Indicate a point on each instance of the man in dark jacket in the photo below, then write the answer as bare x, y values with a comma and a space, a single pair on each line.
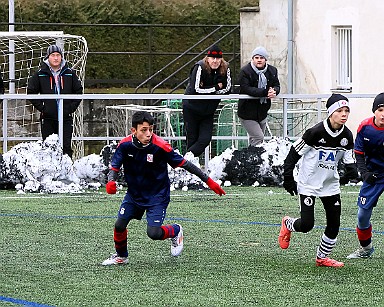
55, 77
257, 79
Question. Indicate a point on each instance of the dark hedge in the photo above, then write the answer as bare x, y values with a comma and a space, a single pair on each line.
135, 68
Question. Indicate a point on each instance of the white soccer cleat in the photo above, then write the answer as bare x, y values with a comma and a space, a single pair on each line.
361, 252
115, 259
177, 243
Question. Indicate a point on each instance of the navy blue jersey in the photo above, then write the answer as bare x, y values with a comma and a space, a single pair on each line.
146, 169
370, 143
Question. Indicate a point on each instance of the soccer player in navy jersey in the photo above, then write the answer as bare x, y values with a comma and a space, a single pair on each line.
320, 149
145, 158
369, 152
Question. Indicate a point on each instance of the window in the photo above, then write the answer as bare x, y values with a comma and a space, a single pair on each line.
343, 56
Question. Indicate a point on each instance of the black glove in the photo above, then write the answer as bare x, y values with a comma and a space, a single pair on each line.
220, 79
369, 177
290, 185
350, 173
344, 180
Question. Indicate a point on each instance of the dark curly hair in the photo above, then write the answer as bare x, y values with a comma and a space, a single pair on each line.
140, 117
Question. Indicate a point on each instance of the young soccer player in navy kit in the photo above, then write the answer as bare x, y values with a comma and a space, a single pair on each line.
145, 158
369, 152
321, 148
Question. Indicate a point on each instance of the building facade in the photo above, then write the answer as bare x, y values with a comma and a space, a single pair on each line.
320, 47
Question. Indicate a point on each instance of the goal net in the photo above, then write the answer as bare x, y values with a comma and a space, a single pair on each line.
168, 122
21, 54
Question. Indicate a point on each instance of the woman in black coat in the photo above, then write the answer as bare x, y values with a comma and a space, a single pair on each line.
209, 76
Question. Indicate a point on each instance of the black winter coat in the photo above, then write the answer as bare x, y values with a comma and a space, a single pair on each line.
252, 109
43, 82
207, 84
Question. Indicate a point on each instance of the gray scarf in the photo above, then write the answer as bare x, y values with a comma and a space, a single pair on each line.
262, 79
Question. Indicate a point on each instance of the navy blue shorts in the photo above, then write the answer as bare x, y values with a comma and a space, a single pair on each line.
369, 195
155, 214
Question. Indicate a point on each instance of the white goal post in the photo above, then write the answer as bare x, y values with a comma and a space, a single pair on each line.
21, 54
167, 120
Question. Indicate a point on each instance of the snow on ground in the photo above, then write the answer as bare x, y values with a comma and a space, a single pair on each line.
261, 165
41, 167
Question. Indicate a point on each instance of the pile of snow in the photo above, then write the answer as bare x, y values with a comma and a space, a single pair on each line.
181, 179
41, 167
259, 165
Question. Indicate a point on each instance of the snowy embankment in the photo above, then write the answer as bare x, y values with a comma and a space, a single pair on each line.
41, 167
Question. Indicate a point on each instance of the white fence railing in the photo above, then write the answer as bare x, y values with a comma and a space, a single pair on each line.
285, 106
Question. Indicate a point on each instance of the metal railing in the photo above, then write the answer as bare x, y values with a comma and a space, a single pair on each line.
288, 106
188, 63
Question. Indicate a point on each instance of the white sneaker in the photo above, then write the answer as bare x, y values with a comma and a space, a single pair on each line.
115, 259
177, 243
361, 252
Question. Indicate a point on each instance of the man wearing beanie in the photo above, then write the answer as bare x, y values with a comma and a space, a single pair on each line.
55, 77
320, 149
257, 79
208, 76
369, 152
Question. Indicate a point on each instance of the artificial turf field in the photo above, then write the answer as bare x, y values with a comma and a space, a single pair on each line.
52, 246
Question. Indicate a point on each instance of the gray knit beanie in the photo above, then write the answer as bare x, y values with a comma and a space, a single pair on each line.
260, 51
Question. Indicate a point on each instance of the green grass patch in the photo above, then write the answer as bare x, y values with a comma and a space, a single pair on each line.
52, 246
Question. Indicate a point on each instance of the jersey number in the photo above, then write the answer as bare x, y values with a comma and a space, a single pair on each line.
363, 200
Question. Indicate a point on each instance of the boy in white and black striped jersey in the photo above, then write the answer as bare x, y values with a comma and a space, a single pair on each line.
320, 150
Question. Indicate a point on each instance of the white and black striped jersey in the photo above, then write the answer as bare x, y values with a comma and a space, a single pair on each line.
321, 149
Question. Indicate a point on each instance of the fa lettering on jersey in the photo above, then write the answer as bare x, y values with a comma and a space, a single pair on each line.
328, 158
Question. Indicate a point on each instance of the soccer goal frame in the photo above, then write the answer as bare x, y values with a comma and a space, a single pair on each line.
21, 54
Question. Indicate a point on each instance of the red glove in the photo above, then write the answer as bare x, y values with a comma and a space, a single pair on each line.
111, 187
215, 187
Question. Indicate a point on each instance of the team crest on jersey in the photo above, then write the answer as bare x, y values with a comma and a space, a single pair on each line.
149, 157
344, 142
322, 141
308, 201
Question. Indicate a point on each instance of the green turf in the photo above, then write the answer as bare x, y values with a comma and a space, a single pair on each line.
52, 246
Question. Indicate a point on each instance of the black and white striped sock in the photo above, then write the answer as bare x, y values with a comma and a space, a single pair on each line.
289, 223
325, 247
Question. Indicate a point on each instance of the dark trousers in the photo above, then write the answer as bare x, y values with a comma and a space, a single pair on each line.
332, 207
198, 129
50, 126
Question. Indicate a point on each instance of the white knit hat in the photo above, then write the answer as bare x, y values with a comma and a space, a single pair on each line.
336, 101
